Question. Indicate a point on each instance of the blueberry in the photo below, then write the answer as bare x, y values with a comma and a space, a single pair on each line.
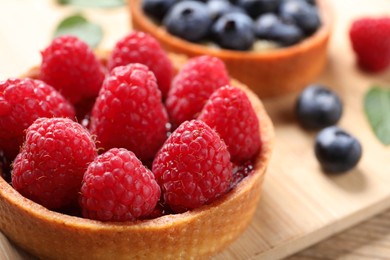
257, 7
318, 107
270, 27
217, 8
157, 8
234, 31
189, 20
312, 2
336, 150
302, 14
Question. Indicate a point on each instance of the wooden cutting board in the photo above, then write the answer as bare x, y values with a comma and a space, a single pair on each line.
300, 204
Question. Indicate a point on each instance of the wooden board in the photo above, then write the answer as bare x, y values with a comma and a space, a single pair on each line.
300, 204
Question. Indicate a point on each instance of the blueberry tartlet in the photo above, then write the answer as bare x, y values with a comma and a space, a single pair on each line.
274, 47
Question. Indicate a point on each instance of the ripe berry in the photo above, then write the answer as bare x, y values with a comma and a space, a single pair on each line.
157, 8
217, 8
52, 161
189, 20
230, 113
117, 187
234, 31
258, 7
318, 107
301, 13
193, 167
70, 66
129, 113
336, 150
22, 101
139, 47
270, 27
193, 85
370, 39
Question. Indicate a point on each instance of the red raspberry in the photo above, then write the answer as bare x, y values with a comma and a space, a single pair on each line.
129, 113
50, 167
230, 113
194, 84
70, 66
117, 187
139, 47
370, 38
193, 167
22, 101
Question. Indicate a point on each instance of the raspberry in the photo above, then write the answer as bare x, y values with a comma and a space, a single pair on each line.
70, 66
129, 113
370, 38
22, 101
193, 167
117, 187
139, 47
231, 114
50, 167
194, 84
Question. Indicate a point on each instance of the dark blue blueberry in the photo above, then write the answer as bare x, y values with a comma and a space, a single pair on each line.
318, 107
302, 14
234, 31
217, 8
312, 2
157, 8
270, 27
336, 150
189, 20
257, 7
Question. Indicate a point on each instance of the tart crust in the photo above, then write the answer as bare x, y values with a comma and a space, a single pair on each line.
268, 74
194, 234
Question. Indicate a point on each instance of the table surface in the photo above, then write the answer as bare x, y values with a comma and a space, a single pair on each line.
20, 23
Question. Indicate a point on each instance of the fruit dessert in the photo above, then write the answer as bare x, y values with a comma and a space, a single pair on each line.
297, 31
127, 175
236, 25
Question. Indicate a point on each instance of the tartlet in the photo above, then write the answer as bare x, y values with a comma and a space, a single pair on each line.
194, 234
268, 74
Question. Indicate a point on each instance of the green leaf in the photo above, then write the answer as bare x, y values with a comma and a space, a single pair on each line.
377, 107
93, 3
78, 26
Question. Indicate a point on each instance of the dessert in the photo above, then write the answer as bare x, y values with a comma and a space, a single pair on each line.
268, 73
198, 232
